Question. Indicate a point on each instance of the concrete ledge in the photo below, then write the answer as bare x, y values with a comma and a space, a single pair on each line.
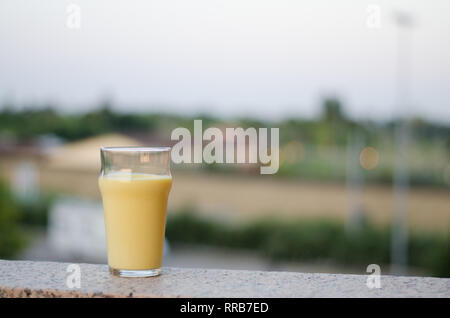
47, 279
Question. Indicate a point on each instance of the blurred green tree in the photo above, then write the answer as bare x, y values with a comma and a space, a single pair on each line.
12, 239
332, 110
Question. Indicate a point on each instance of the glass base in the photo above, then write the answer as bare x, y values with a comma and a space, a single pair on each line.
135, 273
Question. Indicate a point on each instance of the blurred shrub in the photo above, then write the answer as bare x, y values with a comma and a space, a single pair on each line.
12, 239
310, 239
35, 212
324, 139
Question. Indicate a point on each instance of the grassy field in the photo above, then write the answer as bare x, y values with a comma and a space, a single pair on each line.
239, 198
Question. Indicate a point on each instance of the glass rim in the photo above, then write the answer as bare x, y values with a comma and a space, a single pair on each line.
135, 149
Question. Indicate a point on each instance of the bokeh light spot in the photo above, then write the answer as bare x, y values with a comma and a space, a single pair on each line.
369, 158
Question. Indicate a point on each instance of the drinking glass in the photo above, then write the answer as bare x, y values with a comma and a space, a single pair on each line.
135, 183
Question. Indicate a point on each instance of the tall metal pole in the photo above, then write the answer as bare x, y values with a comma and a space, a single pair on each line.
399, 248
355, 181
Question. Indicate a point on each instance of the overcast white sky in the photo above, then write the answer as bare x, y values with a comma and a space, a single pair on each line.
226, 57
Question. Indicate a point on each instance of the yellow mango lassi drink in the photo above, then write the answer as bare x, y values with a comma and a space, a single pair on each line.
135, 217
135, 204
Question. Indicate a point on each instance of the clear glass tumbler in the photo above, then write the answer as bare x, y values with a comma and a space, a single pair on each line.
135, 183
